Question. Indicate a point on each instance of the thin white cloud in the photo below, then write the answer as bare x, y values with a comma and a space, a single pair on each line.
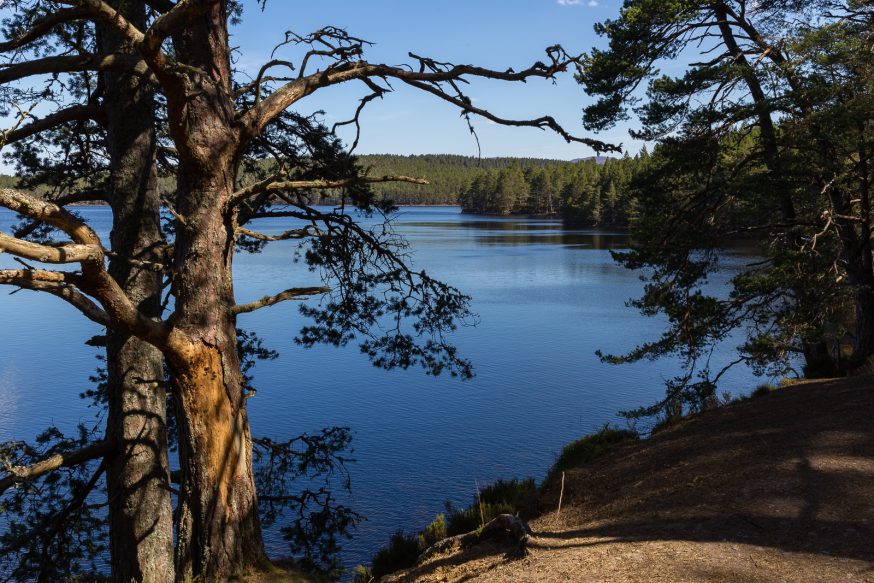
577, 2
593, 3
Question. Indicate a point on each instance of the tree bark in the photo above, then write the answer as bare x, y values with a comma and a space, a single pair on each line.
218, 527
820, 360
140, 508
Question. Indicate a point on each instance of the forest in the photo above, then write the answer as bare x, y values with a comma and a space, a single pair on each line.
759, 122
584, 193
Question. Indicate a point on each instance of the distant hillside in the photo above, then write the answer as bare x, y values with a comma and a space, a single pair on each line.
598, 159
448, 174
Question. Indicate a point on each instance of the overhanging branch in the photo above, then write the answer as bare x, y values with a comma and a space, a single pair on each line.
440, 79
295, 293
309, 231
73, 64
277, 185
58, 283
74, 113
70, 253
18, 474
42, 27
87, 250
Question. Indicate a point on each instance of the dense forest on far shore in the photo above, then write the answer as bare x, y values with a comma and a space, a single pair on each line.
447, 174
591, 192
584, 193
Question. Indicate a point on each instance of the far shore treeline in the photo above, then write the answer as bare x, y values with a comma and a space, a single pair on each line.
586, 192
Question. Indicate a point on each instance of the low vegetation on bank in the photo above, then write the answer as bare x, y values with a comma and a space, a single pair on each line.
767, 487
519, 497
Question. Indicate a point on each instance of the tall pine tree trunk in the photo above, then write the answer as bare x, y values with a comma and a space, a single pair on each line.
819, 361
218, 526
140, 509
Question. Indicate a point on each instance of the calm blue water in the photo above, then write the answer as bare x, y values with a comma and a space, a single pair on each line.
547, 299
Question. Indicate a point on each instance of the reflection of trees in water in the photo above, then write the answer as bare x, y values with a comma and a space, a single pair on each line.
531, 232
594, 241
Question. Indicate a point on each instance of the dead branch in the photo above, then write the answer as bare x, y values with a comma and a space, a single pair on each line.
58, 283
42, 27
295, 293
440, 79
503, 524
274, 185
18, 474
287, 235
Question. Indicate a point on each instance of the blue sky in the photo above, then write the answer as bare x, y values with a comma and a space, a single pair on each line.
497, 34
490, 33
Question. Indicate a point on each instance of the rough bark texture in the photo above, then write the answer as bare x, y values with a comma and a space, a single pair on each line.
218, 528
140, 509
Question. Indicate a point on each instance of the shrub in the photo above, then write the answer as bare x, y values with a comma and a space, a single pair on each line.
434, 532
469, 519
590, 448
361, 574
503, 497
762, 390
666, 422
401, 553
516, 492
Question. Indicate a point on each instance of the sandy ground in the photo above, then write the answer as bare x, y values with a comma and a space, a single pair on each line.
776, 489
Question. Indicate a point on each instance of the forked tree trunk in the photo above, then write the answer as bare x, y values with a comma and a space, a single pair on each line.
140, 509
217, 524
218, 528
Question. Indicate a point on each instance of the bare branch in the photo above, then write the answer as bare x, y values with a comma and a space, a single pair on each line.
544, 122
18, 474
74, 113
70, 253
430, 76
72, 64
295, 293
43, 26
56, 216
376, 92
88, 250
309, 231
58, 283
273, 185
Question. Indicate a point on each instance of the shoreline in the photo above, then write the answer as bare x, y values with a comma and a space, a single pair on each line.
770, 487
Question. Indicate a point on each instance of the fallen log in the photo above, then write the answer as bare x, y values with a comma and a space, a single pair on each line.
501, 525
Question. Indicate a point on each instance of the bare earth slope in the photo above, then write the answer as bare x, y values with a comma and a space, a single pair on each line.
778, 488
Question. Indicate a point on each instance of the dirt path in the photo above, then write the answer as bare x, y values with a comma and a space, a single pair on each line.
778, 488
